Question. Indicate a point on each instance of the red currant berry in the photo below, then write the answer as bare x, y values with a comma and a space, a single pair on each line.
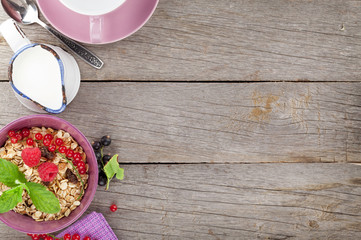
62, 149
19, 136
48, 136
35, 237
113, 208
25, 132
76, 237
11, 133
86, 238
38, 136
43, 236
48, 238
77, 156
30, 234
67, 236
69, 153
52, 148
59, 141
30, 141
46, 142
80, 164
82, 171
13, 140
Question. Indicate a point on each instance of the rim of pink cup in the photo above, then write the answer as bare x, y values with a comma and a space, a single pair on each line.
119, 23
26, 224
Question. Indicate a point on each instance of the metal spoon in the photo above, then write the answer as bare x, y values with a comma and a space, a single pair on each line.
26, 12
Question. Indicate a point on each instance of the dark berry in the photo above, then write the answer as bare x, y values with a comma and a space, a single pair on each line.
113, 208
11, 133
38, 136
105, 141
102, 180
42, 236
106, 158
100, 166
98, 156
96, 145
25, 132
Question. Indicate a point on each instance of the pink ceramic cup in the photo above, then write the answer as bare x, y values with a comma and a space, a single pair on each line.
28, 225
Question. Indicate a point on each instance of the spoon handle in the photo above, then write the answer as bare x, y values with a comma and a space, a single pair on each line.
76, 48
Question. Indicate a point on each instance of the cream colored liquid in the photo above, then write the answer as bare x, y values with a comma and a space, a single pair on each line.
36, 73
92, 7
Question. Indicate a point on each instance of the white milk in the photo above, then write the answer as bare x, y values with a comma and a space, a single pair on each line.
92, 7
36, 73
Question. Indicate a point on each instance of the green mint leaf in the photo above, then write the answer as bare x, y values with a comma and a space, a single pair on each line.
44, 200
112, 168
10, 198
10, 174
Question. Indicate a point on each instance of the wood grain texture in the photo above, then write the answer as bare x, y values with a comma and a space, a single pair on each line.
194, 123
232, 201
263, 40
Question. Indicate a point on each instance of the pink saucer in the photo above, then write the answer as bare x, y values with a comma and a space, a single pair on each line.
116, 25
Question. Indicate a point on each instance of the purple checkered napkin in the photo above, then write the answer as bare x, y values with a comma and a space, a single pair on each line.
93, 225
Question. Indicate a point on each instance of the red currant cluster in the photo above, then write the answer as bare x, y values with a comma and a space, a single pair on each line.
19, 135
52, 144
67, 236
41, 236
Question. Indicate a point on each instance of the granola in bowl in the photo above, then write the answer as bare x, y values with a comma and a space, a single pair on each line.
57, 147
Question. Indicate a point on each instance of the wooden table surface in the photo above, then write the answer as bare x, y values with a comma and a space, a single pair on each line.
232, 119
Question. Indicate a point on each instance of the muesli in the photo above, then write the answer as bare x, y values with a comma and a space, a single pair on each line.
56, 147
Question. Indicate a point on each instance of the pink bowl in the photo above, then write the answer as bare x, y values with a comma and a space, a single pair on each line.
28, 225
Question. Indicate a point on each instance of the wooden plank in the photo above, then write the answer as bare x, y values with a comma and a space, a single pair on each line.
192, 123
232, 201
231, 40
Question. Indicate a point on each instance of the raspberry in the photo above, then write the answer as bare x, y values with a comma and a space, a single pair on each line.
47, 171
31, 156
